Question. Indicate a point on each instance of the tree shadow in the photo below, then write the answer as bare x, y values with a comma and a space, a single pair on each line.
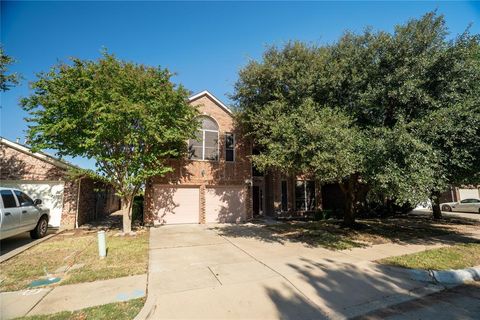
330, 234
341, 290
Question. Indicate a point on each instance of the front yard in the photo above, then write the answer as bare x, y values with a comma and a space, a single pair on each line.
455, 257
331, 235
73, 257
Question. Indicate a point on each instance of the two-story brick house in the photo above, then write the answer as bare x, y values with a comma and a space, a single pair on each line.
217, 183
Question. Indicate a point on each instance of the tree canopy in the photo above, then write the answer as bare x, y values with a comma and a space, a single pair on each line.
128, 117
6, 80
407, 95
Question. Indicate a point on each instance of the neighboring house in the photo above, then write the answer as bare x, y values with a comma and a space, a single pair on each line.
455, 194
218, 183
41, 176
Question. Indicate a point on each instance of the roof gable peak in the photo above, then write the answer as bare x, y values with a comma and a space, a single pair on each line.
213, 98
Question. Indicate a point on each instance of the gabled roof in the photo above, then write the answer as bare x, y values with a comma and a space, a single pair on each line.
39, 155
213, 98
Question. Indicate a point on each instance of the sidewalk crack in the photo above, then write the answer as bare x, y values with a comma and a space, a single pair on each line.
215, 276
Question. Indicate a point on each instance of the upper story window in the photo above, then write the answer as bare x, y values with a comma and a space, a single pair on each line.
229, 147
205, 145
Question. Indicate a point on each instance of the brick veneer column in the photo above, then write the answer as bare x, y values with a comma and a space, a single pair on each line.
248, 202
202, 204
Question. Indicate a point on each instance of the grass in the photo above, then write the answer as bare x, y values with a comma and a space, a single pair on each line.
114, 311
330, 234
455, 257
125, 256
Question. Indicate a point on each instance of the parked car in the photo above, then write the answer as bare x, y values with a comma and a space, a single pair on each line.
19, 213
466, 205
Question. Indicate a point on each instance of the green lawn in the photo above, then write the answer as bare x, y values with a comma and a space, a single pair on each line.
114, 311
125, 256
331, 235
455, 257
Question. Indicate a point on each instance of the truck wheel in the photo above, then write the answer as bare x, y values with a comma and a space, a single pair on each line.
41, 229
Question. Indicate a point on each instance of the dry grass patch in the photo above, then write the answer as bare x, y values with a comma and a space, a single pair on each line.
113, 311
455, 257
125, 256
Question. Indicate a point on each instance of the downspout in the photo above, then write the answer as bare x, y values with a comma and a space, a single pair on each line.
78, 201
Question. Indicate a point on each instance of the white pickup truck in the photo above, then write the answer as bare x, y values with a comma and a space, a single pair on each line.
19, 213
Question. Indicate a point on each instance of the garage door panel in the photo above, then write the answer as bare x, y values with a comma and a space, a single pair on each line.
468, 193
225, 204
176, 205
51, 194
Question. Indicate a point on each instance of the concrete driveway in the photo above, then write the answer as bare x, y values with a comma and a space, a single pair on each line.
201, 272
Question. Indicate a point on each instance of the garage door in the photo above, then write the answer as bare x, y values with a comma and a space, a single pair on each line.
468, 194
225, 204
51, 194
177, 205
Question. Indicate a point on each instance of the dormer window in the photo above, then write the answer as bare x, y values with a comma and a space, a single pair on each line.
205, 145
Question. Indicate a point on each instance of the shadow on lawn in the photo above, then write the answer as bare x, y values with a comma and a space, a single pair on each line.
408, 229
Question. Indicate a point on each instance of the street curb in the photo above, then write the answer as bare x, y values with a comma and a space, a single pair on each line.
447, 277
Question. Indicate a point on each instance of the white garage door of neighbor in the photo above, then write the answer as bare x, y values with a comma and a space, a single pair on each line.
468, 193
51, 194
177, 205
225, 204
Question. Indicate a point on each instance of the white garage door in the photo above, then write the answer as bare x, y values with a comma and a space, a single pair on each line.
225, 204
51, 194
468, 194
176, 205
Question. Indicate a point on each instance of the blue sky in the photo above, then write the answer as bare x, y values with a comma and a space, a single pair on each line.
205, 43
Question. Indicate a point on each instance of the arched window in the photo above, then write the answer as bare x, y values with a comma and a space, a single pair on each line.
205, 145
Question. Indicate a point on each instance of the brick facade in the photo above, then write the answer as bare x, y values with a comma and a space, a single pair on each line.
18, 164
209, 173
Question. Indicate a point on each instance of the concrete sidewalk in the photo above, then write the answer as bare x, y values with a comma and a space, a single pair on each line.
70, 297
197, 273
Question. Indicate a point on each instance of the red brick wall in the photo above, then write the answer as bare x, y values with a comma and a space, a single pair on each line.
18, 165
205, 173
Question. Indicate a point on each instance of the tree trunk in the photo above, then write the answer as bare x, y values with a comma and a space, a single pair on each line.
127, 214
435, 199
348, 189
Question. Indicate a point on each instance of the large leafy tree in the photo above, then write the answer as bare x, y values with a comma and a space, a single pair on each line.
387, 83
129, 118
321, 143
6, 80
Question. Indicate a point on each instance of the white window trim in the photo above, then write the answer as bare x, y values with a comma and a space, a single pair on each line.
203, 146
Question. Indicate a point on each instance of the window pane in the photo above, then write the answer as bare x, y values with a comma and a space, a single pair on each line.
310, 195
24, 200
208, 123
211, 139
195, 146
300, 195
229, 155
8, 199
229, 147
229, 141
284, 196
211, 153
195, 153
